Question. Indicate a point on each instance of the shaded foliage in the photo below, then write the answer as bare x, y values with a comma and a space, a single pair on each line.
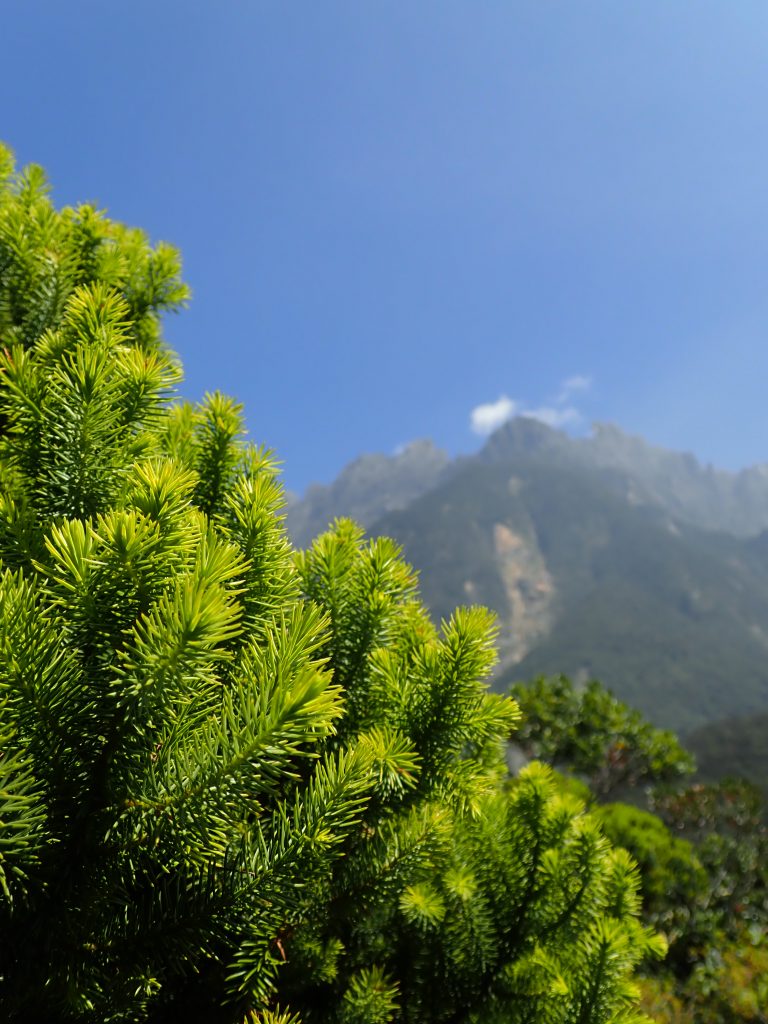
595, 735
702, 856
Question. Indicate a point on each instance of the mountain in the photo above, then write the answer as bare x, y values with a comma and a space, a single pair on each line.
714, 499
366, 489
603, 557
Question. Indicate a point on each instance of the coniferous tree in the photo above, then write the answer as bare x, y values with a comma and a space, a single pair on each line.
233, 779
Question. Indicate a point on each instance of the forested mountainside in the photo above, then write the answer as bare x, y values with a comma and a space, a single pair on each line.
734, 746
596, 565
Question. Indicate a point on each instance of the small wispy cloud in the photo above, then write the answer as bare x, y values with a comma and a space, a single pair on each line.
559, 412
572, 386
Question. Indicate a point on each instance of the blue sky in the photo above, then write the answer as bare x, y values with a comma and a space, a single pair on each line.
392, 214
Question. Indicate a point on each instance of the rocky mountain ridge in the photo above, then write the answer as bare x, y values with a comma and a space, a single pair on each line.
714, 499
601, 556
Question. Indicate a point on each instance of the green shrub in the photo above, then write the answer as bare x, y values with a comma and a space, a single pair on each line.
237, 783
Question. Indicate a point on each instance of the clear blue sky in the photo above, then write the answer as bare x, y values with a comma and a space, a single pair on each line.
394, 212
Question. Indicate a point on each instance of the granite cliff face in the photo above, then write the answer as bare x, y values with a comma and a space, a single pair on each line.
530, 592
601, 556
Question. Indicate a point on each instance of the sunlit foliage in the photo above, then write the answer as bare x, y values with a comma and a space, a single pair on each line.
236, 783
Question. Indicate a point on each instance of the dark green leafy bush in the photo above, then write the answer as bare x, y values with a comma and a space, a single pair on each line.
589, 731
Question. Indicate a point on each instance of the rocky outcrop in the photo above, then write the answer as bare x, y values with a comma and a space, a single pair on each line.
530, 593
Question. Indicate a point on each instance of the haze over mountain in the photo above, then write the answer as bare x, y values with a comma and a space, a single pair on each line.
602, 556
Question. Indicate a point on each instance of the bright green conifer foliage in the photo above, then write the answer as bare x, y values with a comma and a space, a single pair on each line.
236, 783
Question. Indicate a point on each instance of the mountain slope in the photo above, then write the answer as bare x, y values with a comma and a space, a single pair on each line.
366, 488
590, 573
668, 616
732, 746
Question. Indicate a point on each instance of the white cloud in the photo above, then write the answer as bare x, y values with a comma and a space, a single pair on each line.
560, 412
484, 419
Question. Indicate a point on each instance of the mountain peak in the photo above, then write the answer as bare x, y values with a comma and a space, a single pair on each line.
524, 435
